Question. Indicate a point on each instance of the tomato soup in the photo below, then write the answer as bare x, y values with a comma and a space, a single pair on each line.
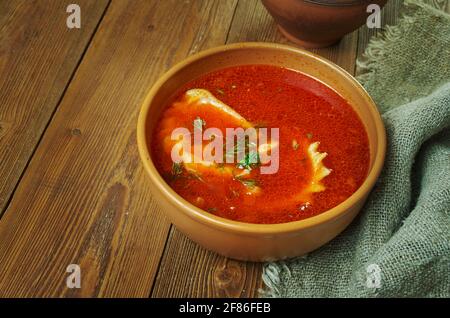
322, 148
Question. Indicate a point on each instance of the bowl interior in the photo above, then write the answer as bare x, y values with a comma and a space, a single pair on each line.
284, 56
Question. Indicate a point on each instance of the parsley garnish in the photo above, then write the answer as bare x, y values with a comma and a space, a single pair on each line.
177, 169
250, 161
195, 175
211, 210
251, 183
199, 123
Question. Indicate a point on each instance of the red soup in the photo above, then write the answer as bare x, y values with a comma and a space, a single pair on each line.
321, 150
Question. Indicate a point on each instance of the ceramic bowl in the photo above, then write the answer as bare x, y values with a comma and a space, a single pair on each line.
259, 242
319, 23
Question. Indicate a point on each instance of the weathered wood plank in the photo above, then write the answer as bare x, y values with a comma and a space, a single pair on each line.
38, 56
84, 198
188, 270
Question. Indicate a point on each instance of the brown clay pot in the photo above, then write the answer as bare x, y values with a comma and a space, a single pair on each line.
318, 23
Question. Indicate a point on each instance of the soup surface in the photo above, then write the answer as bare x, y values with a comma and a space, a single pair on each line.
322, 148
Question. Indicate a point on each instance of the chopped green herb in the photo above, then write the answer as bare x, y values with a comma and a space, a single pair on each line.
309, 135
177, 169
251, 158
295, 144
211, 210
238, 147
195, 175
250, 161
199, 123
247, 182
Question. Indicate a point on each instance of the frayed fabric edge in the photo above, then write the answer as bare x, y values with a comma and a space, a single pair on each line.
375, 52
271, 279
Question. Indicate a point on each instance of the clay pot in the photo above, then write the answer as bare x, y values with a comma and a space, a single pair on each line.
319, 23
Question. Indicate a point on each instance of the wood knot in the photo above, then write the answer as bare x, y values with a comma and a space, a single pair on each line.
229, 277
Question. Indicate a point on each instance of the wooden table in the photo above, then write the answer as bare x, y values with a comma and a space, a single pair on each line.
72, 188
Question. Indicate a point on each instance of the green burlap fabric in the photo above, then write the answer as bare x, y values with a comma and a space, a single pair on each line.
399, 245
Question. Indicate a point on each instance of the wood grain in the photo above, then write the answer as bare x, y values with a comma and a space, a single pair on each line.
84, 198
38, 56
187, 270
